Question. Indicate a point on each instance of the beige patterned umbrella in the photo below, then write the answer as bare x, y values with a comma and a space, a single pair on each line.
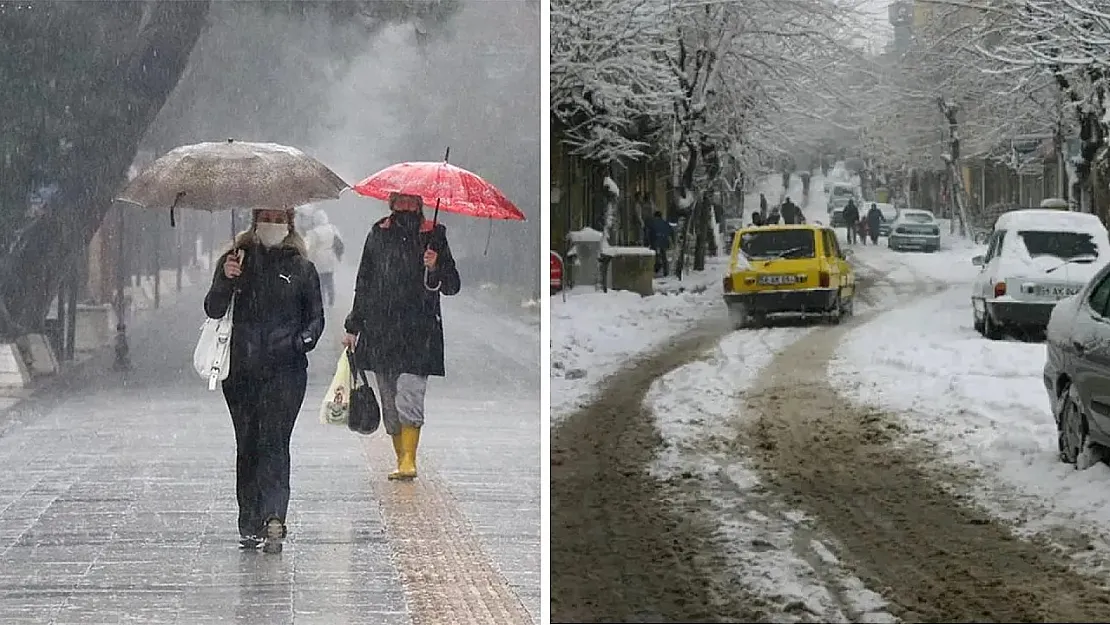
232, 174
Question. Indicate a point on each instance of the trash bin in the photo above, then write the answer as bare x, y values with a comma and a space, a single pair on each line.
586, 252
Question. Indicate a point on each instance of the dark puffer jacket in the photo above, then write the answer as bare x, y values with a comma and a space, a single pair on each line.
397, 319
279, 314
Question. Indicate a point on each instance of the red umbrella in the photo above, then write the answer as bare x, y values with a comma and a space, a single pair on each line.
453, 189
449, 188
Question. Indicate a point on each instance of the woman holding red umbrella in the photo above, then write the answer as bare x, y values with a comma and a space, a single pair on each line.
395, 326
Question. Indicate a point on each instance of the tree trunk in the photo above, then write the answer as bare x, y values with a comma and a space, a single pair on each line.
685, 194
959, 193
115, 87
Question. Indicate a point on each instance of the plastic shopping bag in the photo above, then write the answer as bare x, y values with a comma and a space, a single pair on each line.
336, 408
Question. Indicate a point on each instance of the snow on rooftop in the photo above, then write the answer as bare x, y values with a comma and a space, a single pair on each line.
585, 235
1048, 219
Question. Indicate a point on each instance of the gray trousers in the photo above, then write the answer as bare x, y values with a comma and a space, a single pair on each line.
402, 400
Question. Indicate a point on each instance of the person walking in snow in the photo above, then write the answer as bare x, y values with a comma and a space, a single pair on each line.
395, 326
874, 220
325, 249
757, 219
763, 206
773, 217
659, 232
791, 214
277, 319
851, 220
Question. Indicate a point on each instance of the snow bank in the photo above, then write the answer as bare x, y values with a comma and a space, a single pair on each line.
594, 334
619, 250
695, 408
983, 403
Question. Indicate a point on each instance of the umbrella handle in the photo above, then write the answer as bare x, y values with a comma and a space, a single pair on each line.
429, 287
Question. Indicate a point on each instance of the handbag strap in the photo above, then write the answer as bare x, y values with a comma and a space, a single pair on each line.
356, 371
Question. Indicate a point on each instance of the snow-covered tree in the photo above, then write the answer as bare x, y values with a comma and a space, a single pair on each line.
607, 77
1068, 42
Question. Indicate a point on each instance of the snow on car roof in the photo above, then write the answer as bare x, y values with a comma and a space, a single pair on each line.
1049, 220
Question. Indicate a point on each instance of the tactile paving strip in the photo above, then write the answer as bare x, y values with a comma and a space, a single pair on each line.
446, 575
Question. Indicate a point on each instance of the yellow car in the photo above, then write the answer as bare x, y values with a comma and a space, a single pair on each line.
788, 269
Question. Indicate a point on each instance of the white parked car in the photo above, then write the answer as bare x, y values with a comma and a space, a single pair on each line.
914, 229
1034, 258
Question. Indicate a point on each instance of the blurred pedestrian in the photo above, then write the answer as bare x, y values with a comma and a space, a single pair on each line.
277, 319
851, 220
325, 249
395, 326
659, 232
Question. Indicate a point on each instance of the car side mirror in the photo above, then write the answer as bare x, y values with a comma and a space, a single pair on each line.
978, 261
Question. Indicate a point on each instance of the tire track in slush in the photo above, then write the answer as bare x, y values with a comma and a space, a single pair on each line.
898, 524
622, 549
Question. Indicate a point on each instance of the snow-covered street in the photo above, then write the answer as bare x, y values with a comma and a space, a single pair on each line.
869, 472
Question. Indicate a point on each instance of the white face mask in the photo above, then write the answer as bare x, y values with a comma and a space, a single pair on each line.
271, 235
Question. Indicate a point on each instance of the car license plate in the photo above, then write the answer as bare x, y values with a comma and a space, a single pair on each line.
778, 279
1057, 292
918, 240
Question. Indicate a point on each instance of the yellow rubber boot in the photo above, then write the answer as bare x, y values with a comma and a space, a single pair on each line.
399, 449
406, 463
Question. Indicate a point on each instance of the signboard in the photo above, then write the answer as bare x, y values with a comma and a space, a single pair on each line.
556, 273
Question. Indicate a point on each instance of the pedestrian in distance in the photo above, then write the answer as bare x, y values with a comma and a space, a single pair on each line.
278, 318
763, 206
851, 220
757, 219
791, 214
325, 249
874, 220
659, 232
395, 325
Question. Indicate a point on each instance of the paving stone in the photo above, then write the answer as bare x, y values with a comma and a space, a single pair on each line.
118, 503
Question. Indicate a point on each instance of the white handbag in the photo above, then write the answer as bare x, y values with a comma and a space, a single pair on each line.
212, 356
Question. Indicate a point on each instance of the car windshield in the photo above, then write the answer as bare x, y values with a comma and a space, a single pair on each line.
779, 244
1062, 245
917, 218
842, 192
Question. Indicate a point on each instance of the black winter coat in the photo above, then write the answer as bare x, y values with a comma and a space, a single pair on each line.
397, 319
851, 213
279, 314
874, 218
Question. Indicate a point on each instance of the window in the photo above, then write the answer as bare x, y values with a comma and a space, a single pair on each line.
1100, 297
917, 218
832, 246
779, 244
995, 247
1062, 245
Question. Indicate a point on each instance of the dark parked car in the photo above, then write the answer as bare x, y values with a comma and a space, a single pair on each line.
1077, 372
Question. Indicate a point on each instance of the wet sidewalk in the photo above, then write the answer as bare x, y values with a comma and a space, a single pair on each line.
118, 503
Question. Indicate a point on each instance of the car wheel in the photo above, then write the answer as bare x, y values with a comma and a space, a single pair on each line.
738, 314
991, 330
977, 323
1073, 441
835, 312
848, 307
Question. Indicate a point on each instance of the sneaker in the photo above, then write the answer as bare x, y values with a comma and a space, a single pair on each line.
251, 541
275, 534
